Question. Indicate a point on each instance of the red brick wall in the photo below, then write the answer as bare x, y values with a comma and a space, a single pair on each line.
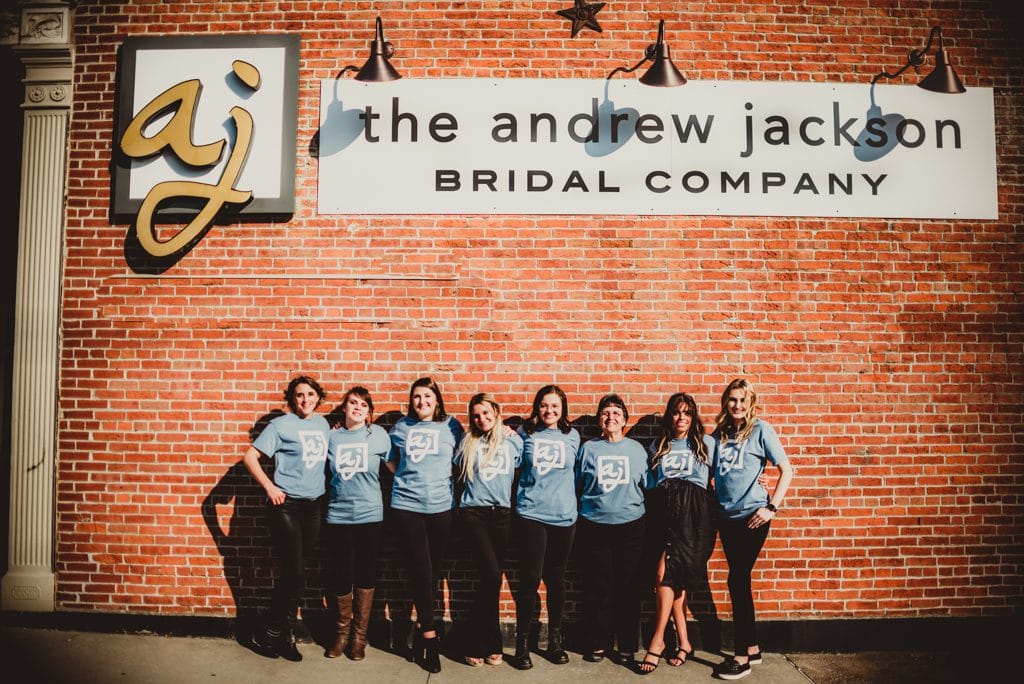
887, 353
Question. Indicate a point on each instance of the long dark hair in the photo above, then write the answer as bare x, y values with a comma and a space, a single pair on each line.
680, 401
531, 424
439, 412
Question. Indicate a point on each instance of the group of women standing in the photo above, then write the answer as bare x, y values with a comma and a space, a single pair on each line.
697, 483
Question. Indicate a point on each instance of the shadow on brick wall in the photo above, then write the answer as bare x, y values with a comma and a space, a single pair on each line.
244, 544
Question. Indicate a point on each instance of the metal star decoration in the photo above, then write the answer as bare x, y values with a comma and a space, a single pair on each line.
582, 16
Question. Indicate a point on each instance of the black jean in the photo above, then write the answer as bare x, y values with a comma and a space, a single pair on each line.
486, 530
742, 546
425, 537
352, 556
612, 582
544, 552
294, 526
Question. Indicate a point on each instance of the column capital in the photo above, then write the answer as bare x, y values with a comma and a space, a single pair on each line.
40, 34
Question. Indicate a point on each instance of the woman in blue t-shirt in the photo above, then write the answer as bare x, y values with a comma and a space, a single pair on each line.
744, 445
611, 473
355, 512
486, 463
682, 520
423, 447
297, 443
546, 514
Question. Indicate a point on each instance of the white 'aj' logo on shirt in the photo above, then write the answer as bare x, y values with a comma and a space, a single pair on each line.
501, 464
548, 454
352, 459
422, 442
677, 463
314, 447
730, 457
612, 471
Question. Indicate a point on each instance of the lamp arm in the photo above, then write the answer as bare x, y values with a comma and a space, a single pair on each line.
627, 70
936, 32
341, 73
915, 58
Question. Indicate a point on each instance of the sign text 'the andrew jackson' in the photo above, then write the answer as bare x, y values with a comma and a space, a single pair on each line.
525, 146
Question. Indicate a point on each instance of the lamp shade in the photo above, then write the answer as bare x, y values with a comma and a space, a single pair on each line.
377, 67
942, 79
663, 72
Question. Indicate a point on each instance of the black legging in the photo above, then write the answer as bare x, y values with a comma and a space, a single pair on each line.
353, 552
294, 526
742, 545
425, 537
610, 563
486, 529
544, 552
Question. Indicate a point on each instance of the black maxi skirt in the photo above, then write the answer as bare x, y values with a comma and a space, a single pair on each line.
683, 513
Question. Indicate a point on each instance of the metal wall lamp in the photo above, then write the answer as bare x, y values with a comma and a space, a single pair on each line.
942, 79
663, 72
377, 67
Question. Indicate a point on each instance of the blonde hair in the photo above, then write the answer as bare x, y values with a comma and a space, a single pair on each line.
724, 427
470, 446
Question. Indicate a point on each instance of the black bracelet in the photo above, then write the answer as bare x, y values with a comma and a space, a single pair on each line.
771, 507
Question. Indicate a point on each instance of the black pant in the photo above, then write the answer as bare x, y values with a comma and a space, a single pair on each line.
353, 552
486, 530
742, 545
294, 526
425, 537
544, 552
611, 573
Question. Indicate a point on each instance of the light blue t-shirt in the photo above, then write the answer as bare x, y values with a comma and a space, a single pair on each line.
547, 489
492, 484
299, 449
424, 450
355, 458
737, 466
611, 477
681, 463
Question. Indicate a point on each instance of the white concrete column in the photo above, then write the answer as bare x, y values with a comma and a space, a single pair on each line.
44, 47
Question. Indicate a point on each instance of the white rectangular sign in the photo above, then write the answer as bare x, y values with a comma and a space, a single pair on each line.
546, 146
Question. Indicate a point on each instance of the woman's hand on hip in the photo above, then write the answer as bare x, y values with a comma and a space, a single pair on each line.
761, 517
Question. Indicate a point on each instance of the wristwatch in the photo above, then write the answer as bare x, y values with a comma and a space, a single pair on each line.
771, 507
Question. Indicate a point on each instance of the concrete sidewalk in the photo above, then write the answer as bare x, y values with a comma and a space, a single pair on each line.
47, 656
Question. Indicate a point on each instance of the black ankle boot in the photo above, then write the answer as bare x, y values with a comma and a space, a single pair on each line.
286, 647
265, 641
430, 654
556, 651
522, 658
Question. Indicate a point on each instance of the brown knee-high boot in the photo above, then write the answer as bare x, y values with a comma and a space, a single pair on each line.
362, 608
344, 624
